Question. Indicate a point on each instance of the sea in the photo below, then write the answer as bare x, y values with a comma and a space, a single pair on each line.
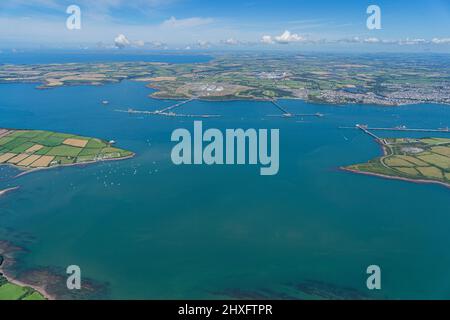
144, 228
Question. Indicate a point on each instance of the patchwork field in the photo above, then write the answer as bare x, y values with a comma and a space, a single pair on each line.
415, 159
33, 149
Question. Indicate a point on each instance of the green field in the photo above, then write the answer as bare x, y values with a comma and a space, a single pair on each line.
326, 78
31, 149
425, 159
10, 291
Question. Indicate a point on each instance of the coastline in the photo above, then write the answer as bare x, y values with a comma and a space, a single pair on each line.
384, 176
309, 101
7, 259
4, 251
41, 86
25, 172
5, 191
385, 150
38, 289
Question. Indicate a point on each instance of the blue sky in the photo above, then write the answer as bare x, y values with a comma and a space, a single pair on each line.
190, 24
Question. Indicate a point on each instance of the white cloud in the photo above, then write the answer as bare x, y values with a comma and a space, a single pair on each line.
413, 41
288, 37
121, 41
231, 42
267, 39
157, 44
350, 40
285, 38
385, 41
441, 41
139, 43
186, 23
372, 40
203, 44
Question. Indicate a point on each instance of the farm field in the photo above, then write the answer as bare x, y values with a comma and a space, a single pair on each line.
34, 149
425, 159
10, 291
325, 78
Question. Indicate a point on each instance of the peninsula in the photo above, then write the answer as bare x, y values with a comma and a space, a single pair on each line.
425, 160
36, 149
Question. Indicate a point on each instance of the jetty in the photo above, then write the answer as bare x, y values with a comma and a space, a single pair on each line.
287, 114
169, 108
368, 130
400, 128
168, 114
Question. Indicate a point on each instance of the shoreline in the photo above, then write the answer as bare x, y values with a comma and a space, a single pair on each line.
320, 102
40, 290
384, 176
333, 104
385, 152
25, 172
6, 259
306, 100
5, 191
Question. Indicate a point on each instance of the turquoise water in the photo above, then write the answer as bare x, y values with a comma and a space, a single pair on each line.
150, 229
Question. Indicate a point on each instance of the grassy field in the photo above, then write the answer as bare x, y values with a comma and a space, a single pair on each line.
10, 291
415, 159
31, 149
327, 78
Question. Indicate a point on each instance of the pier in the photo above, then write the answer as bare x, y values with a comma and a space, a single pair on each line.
366, 131
168, 111
287, 114
290, 115
445, 130
179, 104
276, 104
168, 114
402, 129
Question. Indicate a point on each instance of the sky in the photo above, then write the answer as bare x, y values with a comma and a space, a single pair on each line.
199, 24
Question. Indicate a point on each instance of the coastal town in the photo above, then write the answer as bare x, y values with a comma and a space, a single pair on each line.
390, 80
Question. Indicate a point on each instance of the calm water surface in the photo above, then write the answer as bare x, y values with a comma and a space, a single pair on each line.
154, 230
